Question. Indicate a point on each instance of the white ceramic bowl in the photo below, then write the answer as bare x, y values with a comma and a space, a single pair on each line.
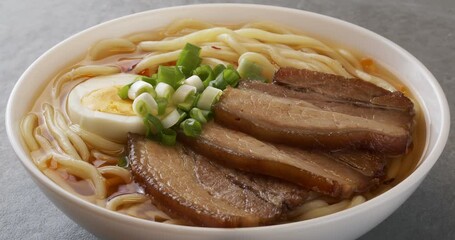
347, 224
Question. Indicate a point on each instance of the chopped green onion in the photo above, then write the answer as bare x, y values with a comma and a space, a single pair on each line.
153, 126
205, 73
123, 91
151, 80
191, 127
180, 95
208, 97
123, 162
169, 109
219, 82
196, 82
141, 108
197, 114
195, 98
254, 66
185, 106
164, 90
171, 119
183, 116
230, 66
183, 93
189, 59
140, 87
251, 71
145, 104
168, 137
189, 103
207, 114
162, 104
218, 69
170, 75
231, 76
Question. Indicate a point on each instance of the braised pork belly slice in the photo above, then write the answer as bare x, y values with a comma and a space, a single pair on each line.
188, 186
292, 122
318, 172
343, 89
325, 102
369, 164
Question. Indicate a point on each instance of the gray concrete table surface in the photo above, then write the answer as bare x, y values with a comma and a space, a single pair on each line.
28, 28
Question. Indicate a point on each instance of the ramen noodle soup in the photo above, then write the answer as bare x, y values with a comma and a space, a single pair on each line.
155, 123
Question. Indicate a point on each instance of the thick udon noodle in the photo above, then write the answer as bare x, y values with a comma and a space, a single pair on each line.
84, 163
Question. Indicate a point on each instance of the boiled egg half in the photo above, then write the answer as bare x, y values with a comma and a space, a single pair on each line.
96, 107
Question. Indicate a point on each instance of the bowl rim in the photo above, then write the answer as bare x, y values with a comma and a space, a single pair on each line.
417, 175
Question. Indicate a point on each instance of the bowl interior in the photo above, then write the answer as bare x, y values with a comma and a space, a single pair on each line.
408, 69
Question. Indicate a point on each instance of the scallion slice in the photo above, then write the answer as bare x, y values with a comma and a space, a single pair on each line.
123, 91
197, 114
162, 104
254, 66
208, 97
251, 71
189, 103
219, 82
205, 73
145, 104
231, 76
189, 59
183, 93
185, 106
195, 81
191, 127
183, 116
171, 119
207, 114
168, 137
140, 87
170, 75
153, 127
218, 69
164, 90
228, 76
151, 80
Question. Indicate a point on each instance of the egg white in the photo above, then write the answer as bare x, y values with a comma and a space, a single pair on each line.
114, 127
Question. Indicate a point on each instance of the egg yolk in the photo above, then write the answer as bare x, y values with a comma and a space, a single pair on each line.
107, 100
